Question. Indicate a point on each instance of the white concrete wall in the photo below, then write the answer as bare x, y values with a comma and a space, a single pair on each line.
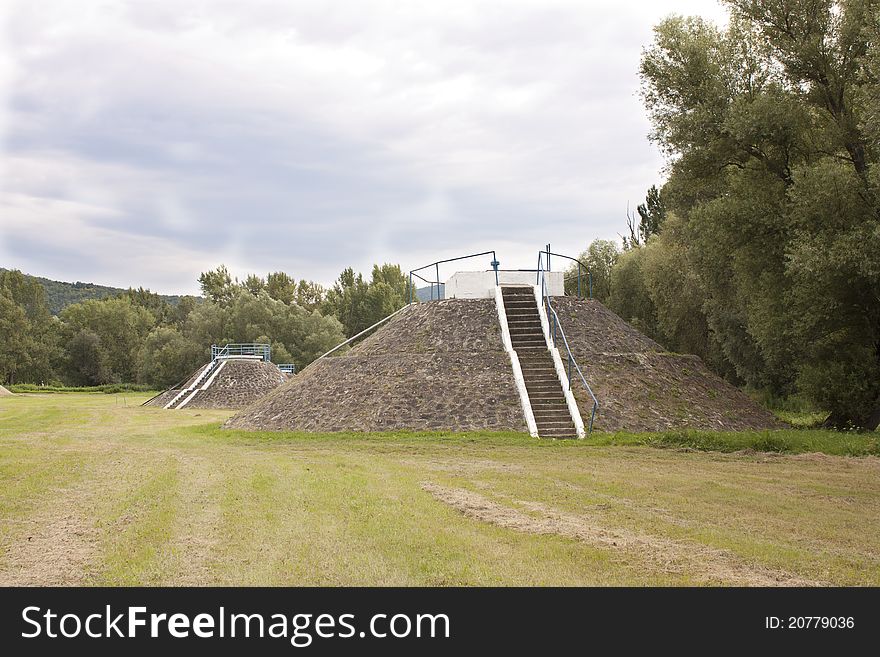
481, 284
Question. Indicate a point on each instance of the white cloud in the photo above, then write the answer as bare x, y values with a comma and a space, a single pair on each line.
310, 136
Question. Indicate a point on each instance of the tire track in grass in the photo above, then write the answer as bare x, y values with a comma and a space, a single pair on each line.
271, 531
57, 540
702, 564
138, 529
195, 534
53, 544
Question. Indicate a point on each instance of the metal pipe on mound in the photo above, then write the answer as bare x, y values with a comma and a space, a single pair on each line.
355, 337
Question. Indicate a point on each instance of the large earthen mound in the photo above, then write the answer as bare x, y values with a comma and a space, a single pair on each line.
442, 366
437, 365
640, 387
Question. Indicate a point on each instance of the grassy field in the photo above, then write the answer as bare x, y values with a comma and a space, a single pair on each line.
96, 490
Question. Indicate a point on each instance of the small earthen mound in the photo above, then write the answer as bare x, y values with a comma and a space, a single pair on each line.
238, 383
5, 393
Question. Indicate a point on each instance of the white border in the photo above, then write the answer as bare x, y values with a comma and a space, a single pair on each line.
560, 367
514, 362
204, 387
195, 384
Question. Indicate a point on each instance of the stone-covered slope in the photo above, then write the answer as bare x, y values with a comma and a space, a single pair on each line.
437, 365
640, 387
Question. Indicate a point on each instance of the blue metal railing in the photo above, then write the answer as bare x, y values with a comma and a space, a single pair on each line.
436, 265
581, 266
263, 351
556, 330
287, 368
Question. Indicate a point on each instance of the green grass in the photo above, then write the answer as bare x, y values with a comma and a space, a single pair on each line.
95, 489
109, 388
791, 441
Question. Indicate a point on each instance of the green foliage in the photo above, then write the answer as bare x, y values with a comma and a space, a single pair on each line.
281, 287
358, 304
167, 357
16, 342
296, 335
217, 285
768, 263
109, 389
651, 215
599, 260
137, 335
87, 359
630, 297
30, 334
115, 328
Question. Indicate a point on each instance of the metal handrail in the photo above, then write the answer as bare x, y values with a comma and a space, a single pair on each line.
557, 326
580, 264
369, 328
436, 266
262, 350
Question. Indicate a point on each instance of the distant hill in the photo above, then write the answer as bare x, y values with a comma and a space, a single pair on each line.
59, 294
424, 293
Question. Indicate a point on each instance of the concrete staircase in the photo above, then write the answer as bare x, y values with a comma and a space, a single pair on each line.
188, 392
546, 394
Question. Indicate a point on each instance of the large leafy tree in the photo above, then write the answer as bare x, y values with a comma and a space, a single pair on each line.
32, 343
359, 304
773, 176
120, 327
16, 343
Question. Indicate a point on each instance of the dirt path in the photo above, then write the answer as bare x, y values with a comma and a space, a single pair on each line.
54, 545
703, 564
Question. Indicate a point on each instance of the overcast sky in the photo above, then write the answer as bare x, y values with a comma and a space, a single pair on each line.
144, 142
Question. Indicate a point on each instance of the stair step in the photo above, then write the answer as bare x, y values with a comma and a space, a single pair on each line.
536, 391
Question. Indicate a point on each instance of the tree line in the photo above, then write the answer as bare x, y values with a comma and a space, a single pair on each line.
761, 252
138, 336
